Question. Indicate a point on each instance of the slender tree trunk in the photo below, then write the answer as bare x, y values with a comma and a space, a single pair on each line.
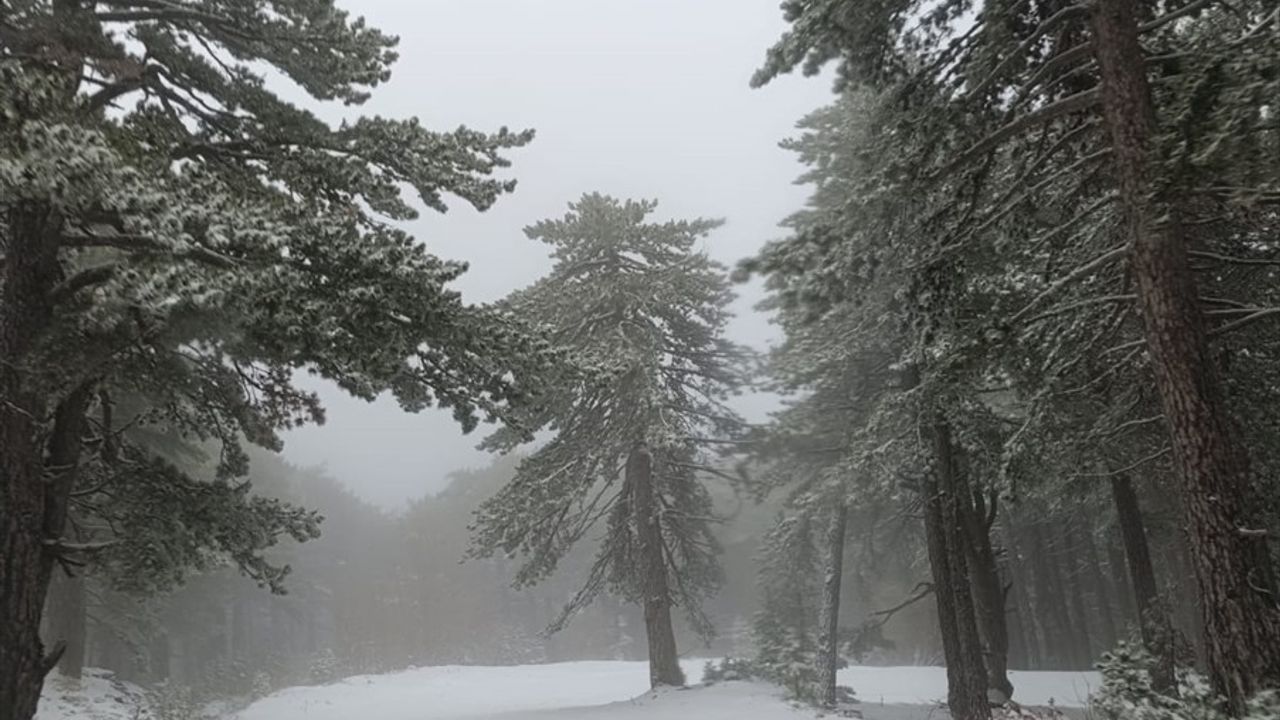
664, 663
1101, 590
1050, 602
966, 672
829, 661
1153, 617
66, 621
1241, 621
1118, 573
1020, 571
979, 515
1069, 560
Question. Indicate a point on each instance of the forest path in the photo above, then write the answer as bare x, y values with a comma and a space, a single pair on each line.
606, 690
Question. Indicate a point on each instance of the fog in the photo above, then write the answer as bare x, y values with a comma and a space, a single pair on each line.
634, 99
639, 359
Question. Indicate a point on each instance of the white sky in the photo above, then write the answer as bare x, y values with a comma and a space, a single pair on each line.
634, 98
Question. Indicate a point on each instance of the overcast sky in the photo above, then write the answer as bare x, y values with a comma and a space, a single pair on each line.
633, 98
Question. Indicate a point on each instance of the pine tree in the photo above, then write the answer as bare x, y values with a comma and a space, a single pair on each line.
174, 230
785, 630
642, 312
1151, 113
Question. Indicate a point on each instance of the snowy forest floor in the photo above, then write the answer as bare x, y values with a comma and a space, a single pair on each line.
617, 691
595, 690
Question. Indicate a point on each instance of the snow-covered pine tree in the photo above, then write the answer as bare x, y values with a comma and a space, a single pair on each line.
1165, 100
172, 228
786, 629
643, 311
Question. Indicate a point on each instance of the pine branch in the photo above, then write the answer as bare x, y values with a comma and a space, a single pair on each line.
1076, 274
1059, 108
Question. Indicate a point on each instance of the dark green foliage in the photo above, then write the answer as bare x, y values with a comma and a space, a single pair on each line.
785, 629
641, 311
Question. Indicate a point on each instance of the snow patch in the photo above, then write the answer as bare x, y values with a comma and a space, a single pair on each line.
619, 691
97, 695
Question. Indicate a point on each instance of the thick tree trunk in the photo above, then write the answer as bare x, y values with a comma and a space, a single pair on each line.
664, 663
979, 515
1154, 624
1241, 621
966, 672
66, 621
32, 506
829, 660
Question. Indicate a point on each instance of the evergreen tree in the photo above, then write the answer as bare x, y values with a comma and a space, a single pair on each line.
786, 627
1152, 112
643, 312
172, 229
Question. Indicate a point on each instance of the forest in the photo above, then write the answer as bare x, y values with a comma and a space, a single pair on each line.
1026, 372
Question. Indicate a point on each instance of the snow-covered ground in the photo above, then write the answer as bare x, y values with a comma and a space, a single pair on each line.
95, 696
618, 691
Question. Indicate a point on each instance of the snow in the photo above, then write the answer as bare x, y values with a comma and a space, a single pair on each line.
604, 690
928, 685
95, 696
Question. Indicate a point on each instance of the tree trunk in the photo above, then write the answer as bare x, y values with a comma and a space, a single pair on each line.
1101, 590
33, 505
1069, 559
979, 515
1050, 602
1020, 572
66, 621
1118, 573
1154, 624
664, 663
829, 660
966, 672
1241, 622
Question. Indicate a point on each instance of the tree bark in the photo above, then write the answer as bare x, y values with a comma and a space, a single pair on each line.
829, 660
1050, 602
966, 672
1101, 590
1069, 560
66, 621
1154, 624
1118, 573
664, 663
1022, 579
1241, 621
979, 515
33, 507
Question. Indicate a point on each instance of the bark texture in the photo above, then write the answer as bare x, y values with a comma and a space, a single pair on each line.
66, 621
1241, 621
31, 510
979, 516
966, 671
664, 662
829, 650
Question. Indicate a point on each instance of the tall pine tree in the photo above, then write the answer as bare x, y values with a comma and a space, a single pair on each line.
642, 311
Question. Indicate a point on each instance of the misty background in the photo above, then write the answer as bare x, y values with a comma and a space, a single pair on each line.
641, 100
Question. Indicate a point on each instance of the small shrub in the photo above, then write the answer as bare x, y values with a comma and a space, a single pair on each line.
175, 702
1128, 694
729, 669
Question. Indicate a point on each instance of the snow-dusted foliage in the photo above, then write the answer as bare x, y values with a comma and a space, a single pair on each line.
786, 627
196, 240
642, 312
1128, 693
178, 242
